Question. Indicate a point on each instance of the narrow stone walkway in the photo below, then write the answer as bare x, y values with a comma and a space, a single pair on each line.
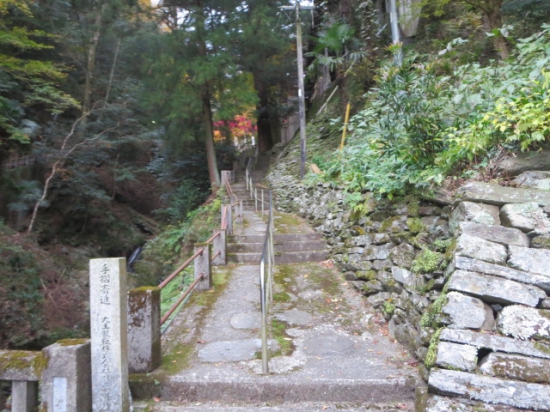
329, 350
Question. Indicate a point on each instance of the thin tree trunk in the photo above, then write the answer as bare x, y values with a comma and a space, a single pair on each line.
111, 75
495, 22
209, 139
90, 63
59, 162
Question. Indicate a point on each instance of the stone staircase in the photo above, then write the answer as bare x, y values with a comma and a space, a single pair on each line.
301, 247
329, 351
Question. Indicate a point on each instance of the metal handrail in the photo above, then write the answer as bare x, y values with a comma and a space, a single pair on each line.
234, 200
180, 269
190, 289
256, 191
267, 263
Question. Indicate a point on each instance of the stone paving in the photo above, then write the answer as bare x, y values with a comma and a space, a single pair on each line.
328, 348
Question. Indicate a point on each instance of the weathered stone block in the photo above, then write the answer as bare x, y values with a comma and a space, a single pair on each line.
456, 356
499, 195
524, 323
516, 367
527, 217
438, 403
541, 242
464, 311
495, 290
474, 212
530, 260
497, 234
491, 390
496, 343
524, 161
363, 240
404, 276
375, 252
403, 255
66, 383
19, 365
144, 348
429, 211
472, 265
534, 179
477, 248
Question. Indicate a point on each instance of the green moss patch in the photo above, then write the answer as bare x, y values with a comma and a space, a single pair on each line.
427, 261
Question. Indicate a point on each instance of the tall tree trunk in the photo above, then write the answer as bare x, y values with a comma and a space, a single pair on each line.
265, 139
90, 63
495, 22
209, 139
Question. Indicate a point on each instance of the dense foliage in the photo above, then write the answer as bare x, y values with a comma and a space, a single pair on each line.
422, 121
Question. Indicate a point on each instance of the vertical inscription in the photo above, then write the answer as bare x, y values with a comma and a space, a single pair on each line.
108, 306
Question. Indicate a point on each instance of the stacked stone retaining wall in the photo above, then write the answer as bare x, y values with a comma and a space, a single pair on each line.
463, 283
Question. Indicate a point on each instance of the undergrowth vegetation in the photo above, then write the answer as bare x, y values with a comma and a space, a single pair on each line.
431, 117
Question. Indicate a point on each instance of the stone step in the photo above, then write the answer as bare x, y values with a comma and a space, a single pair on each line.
280, 259
287, 391
291, 237
268, 407
280, 247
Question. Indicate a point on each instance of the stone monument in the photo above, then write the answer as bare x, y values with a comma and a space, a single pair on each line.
108, 324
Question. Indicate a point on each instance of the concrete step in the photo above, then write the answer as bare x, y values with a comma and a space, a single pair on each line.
287, 391
280, 247
280, 259
268, 407
292, 237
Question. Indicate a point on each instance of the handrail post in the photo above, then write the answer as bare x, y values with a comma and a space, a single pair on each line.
241, 211
263, 201
256, 200
24, 395
229, 217
203, 267
144, 353
263, 304
220, 246
226, 177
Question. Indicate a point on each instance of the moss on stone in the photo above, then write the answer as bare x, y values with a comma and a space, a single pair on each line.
441, 245
431, 356
35, 362
366, 275
427, 261
432, 318
177, 359
415, 225
413, 208
387, 224
388, 308
72, 342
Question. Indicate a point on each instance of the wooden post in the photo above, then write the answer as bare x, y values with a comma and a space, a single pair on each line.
203, 267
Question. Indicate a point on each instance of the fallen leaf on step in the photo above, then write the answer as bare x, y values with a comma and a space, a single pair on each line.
156, 399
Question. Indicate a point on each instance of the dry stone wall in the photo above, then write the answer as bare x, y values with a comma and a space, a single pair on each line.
463, 283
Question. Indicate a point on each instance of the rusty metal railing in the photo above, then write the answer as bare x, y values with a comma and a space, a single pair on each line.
218, 242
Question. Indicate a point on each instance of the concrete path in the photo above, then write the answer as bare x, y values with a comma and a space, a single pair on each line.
329, 349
